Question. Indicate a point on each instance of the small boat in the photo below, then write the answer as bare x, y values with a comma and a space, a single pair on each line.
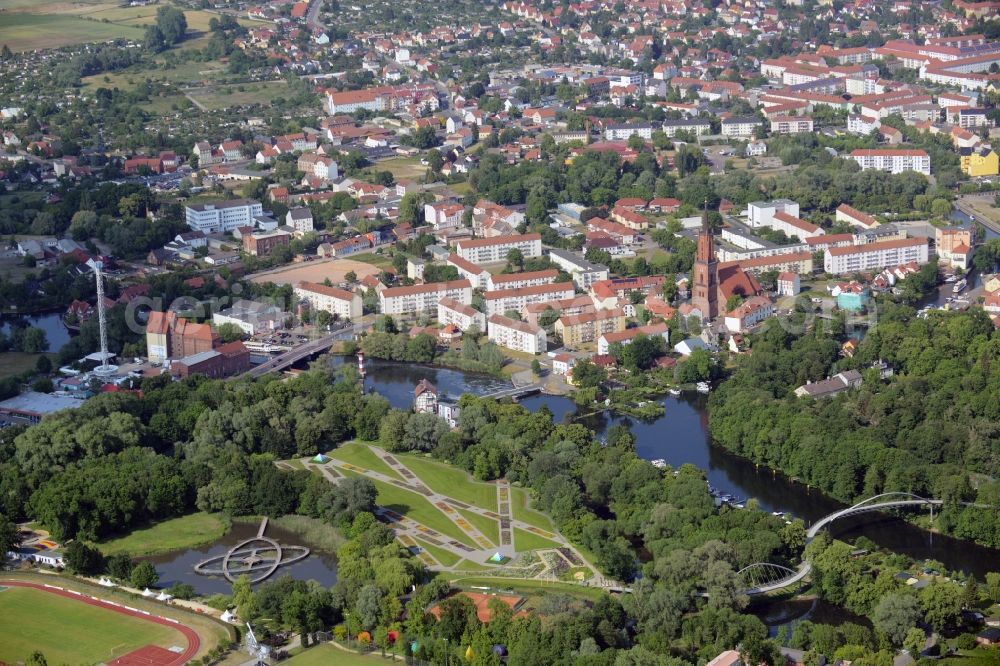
703, 387
959, 286
674, 391
659, 463
951, 278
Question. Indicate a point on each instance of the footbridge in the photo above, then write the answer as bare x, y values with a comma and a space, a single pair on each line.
763, 577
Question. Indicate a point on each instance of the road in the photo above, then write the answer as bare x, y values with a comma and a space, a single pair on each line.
312, 16
985, 197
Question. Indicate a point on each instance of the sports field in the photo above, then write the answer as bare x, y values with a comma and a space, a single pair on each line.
68, 631
315, 271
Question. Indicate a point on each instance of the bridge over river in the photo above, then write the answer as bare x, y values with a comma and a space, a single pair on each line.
762, 578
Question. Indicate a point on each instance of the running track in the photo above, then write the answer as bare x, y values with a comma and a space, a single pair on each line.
193, 642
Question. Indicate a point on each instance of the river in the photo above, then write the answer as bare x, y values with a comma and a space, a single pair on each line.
681, 436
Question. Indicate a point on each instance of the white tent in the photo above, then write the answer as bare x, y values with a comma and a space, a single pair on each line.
163, 596
106, 583
148, 593
228, 616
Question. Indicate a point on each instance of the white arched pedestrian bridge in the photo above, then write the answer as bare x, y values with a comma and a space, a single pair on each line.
762, 578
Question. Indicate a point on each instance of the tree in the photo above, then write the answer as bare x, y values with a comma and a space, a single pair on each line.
172, 24
942, 604
914, 642
9, 538
993, 586
435, 160
144, 575
351, 276
895, 615
229, 332
588, 375
83, 559
515, 258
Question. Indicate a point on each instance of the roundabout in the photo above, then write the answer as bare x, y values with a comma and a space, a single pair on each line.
257, 557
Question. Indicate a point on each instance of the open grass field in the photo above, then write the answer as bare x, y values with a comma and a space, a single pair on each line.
27, 32
402, 167
315, 271
520, 509
14, 363
359, 454
524, 540
377, 260
69, 631
489, 527
325, 654
978, 657
223, 97
187, 531
416, 507
452, 481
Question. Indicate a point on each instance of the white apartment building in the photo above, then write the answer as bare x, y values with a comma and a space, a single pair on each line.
740, 126
791, 124
494, 250
874, 256
793, 226
696, 127
340, 302
423, 297
478, 277
463, 316
498, 302
893, 161
300, 219
585, 273
862, 125
516, 335
222, 216
749, 313
623, 132
443, 215
761, 213
519, 280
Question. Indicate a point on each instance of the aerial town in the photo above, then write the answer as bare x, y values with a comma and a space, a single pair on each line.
526, 332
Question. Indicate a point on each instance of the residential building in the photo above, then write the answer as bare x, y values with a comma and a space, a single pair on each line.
795, 227
518, 280
626, 337
425, 398
505, 300
423, 297
516, 335
851, 296
589, 326
169, 336
978, 163
749, 313
340, 302
791, 124
742, 127
478, 277
494, 250
300, 219
954, 246
251, 317
415, 268
877, 255
443, 215
831, 386
697, 127
585, 273
855, 217
893, 160
761, 213
788, 284
450, 311
623, 132
222, 216
263, 244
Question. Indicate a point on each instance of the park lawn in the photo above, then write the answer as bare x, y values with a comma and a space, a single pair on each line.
524, 540
187, 531
470, 565
26, 32
14, 363
533, 589
69, 631
452, 481
979, 656
520, 503
359, 454
229, 95
325, 654
414, 506
489, 527
445, 557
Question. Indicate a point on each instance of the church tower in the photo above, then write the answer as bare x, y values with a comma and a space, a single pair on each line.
705, 285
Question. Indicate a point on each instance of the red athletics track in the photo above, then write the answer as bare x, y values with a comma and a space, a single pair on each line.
194, 643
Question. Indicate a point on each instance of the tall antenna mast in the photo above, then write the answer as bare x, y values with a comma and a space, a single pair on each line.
104, 369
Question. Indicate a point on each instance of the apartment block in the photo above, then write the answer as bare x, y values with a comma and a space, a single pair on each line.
516, 335
494, 250
222, 216
504, 300
450, 311
588, 327
423, 297
874, 256
340, 302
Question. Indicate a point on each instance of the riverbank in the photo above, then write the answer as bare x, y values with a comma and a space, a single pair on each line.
190, 531
313, 532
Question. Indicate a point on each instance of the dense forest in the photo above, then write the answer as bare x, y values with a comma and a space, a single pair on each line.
932, 428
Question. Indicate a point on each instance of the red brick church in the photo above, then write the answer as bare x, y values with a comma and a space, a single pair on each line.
712, 285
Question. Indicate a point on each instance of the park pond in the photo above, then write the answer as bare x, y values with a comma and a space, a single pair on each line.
178, 566
55, 331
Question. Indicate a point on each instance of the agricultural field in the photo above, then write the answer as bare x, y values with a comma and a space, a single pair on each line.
28, 32
187, 531
70, 631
